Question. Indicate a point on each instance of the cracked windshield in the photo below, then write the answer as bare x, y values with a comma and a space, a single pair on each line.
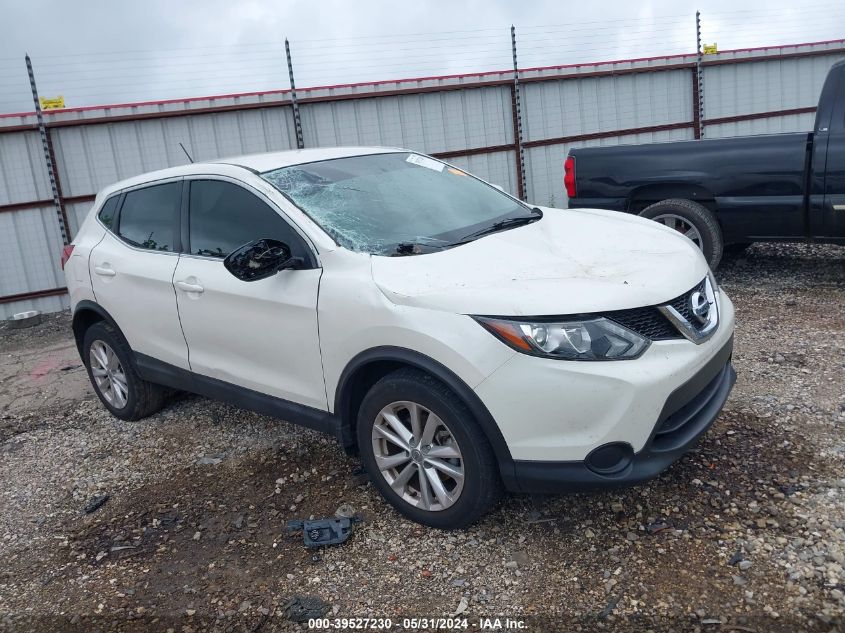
396, 203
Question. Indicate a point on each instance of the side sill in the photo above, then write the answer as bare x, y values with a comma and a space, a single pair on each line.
161, 373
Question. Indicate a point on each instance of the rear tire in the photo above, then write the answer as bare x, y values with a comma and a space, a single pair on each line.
453, 445
109, 361
686, 215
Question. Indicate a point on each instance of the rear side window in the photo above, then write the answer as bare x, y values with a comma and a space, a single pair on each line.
224, 216
149, 217
108, 210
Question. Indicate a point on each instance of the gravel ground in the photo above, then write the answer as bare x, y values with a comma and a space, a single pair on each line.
746, 533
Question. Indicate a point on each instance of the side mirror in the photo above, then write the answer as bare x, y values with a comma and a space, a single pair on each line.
260, 259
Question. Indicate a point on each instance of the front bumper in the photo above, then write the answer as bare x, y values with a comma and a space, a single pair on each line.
553, 415
688, 412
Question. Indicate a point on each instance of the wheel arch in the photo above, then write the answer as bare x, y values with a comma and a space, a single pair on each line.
369, 366
85, 314
646, 195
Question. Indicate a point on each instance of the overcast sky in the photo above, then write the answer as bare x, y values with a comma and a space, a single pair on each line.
98, 52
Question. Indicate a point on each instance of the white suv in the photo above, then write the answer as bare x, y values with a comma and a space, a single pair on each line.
458, 340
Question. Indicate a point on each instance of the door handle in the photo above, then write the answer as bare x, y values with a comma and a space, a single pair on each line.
104, 271
184, 285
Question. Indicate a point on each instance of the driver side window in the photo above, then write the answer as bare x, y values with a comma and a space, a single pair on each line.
224, 216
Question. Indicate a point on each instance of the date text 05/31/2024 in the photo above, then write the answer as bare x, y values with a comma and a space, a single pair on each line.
417, 624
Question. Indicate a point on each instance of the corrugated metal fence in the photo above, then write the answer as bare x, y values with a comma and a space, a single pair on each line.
469, 120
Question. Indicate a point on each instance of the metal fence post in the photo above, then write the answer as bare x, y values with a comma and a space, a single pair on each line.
517, 120
47, 145
297, 122
699, 80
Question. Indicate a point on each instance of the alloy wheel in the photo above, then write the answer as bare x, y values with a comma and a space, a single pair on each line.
108, 374
418, 456
682, 225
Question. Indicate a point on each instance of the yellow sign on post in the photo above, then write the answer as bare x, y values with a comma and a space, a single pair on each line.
56, 103
711, 49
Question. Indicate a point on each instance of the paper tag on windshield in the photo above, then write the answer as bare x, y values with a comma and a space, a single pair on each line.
425, 161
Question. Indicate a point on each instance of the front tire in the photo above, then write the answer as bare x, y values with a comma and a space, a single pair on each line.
108, 359
693, 221
425, 453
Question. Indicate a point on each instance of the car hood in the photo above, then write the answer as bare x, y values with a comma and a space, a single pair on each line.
572, 261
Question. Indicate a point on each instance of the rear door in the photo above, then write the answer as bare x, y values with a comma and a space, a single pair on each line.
261, 335
132, 270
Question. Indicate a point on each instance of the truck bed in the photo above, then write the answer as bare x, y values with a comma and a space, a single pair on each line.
742, 175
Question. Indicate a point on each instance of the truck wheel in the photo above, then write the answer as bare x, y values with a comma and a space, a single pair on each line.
694, 221
108, 359
424, 451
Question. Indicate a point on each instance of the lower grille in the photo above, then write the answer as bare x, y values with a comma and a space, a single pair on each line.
686, 423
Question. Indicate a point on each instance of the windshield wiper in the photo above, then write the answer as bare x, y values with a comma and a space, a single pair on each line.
501, 225
415, 248
419, 248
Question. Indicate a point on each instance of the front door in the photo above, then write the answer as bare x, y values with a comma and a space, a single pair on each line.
261, 335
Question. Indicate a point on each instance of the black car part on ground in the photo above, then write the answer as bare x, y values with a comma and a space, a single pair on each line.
322, 532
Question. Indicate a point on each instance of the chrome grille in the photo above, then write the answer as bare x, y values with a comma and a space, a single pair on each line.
652, 322
695, 314
647, 322
682, 304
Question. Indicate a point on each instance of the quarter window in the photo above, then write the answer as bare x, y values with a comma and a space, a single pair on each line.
149, 216
108, 210
225, 216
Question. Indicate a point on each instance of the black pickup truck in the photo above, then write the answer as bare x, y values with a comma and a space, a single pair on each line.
728, 192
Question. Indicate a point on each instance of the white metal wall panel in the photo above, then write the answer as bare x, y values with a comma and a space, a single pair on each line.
764, 86
23, 172
30, 249
428, 122
498, 168
770, 125
93, 156
42, 304
76, 213
552, 109
544, 164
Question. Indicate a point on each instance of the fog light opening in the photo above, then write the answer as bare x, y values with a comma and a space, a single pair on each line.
610, 459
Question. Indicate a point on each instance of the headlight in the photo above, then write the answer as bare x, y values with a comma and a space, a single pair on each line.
583, 339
